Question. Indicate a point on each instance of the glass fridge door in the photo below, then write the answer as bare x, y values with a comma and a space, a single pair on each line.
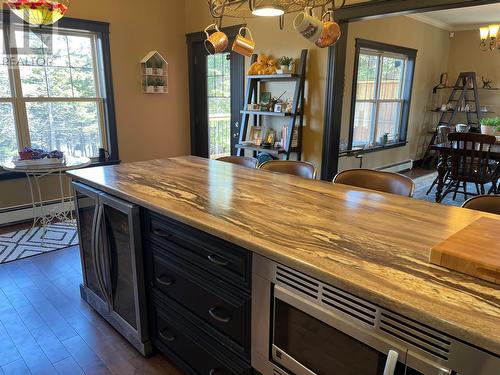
87, 204
125, 278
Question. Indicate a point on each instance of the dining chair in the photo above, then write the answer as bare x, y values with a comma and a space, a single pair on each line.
470, 163
386, 182
244, 161
296, 168
484, 203
443, 132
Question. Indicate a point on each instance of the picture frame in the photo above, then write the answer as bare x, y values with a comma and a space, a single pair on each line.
265, 98
271, 138
256, 135
278, 108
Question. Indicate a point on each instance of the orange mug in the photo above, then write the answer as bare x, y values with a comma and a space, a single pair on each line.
331, 32
217, 42
244, 46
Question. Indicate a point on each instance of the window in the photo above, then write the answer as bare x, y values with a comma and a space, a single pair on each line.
383, 78
54, 90
219, 104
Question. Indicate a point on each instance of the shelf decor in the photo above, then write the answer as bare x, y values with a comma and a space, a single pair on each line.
252, 133
39, 12
154, 73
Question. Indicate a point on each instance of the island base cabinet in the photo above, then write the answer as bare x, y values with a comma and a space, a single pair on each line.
112, 265
191, 348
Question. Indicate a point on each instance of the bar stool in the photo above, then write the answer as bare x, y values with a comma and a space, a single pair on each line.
296, 168
484, 203
244, 161
386, 182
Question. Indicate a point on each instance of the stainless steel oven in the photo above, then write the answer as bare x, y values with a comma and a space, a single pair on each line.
303, 326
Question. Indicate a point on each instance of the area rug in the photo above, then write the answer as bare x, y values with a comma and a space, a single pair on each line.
30, 242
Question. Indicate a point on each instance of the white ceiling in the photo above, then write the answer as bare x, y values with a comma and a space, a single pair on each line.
467, 18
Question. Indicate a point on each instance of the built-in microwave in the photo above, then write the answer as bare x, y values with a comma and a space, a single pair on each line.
302, 326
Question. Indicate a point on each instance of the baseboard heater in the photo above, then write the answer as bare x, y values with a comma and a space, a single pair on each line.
18, 214
399, 167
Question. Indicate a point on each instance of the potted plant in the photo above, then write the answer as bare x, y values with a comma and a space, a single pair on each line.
160, 85
149, 67
158, 65
150, 85
287, 65
490, 125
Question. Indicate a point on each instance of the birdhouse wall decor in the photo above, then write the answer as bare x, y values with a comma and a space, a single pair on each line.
154, 73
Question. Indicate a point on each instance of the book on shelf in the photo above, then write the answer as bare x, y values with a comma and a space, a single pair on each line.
285, 135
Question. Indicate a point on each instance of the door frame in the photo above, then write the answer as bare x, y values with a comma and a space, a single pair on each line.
336, 64
237, 86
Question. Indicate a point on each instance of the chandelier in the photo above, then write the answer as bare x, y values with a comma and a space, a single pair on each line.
39, 12
270, 8
489, 38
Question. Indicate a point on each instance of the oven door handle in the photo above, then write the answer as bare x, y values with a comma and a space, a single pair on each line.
391, 363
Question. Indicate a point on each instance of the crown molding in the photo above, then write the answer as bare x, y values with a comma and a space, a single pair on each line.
431, 21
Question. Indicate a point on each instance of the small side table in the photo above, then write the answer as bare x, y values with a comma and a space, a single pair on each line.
34, 174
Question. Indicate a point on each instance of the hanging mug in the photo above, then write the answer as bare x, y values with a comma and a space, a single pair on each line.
217, 42
309, 26
242, 45
331, 32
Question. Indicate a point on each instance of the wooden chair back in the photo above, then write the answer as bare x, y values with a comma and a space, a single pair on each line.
484, 203
296, 168
386, 182
443, 133
470, 157
244, 161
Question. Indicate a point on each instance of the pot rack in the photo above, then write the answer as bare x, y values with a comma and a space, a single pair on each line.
244, 8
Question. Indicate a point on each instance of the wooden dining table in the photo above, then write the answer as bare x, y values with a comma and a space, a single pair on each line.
444, 150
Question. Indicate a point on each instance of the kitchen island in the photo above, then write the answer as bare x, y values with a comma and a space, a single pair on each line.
372, 245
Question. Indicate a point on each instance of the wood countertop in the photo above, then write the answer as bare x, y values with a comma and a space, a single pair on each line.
371, 244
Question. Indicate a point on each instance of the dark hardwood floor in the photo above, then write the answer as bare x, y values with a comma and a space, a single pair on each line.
45, 328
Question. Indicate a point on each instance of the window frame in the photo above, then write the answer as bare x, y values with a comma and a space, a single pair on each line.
406, 89
104, 81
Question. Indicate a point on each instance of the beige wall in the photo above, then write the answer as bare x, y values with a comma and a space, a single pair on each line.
149, 126
433, 47
465, 56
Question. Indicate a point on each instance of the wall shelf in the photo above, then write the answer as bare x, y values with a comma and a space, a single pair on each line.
295, 117
461, 88
269, 113
451, 111
274, 77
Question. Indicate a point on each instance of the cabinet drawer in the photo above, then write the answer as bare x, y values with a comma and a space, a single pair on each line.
191, 348
224, 308
219, 257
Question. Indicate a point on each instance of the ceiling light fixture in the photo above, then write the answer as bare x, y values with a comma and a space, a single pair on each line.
39, 12
268, 11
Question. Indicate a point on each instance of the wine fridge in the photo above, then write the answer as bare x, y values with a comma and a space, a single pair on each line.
302, 326
112, 264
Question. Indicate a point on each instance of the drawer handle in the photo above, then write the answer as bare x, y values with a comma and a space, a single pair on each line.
165, 335
165, 280
218, 260
161, 233
222, 319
